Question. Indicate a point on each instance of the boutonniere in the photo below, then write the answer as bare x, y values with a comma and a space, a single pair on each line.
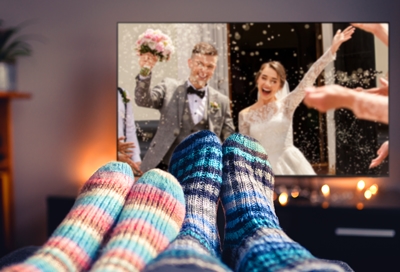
124, 95
214, 106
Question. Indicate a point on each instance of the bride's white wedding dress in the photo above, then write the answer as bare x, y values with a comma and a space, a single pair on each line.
271, 125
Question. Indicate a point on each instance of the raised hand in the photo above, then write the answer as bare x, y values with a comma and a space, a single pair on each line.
381, 31
382, 152
382, 90
366, 27
125, 147
340, 37
147, 59
328, 97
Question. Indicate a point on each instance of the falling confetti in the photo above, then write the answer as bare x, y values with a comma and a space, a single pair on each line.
237, 36
246, 27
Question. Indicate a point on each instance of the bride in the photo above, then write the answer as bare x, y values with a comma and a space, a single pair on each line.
269, 120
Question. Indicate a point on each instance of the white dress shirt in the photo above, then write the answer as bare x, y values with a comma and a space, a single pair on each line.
197, 105
130, 126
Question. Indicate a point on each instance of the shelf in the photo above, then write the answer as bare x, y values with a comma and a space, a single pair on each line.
13, 94
6, 169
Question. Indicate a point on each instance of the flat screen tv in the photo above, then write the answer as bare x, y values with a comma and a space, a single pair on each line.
336, 143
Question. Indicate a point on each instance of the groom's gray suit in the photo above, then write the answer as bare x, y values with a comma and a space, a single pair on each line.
170, 98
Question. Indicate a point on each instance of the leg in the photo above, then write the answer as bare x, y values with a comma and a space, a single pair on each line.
196, 163
152, 217
253, 238
75, 243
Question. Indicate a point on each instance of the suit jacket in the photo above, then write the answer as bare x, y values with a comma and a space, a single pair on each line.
169, 97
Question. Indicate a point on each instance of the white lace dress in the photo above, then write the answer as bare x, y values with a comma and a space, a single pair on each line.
271, 125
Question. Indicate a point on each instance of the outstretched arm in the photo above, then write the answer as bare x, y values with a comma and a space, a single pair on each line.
144, 96
340, 37
381, 31
364, 105
295, 97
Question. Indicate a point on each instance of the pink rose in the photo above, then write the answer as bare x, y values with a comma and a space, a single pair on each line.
160, 47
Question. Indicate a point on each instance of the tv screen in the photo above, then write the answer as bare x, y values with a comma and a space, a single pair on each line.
334, 144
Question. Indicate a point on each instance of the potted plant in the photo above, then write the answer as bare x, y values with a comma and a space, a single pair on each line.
12, 46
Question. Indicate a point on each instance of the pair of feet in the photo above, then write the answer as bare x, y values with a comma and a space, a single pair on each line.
116, 225
238, 173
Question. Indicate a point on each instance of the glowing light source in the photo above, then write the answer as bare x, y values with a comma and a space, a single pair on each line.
283, 198
360, 206
325, 204
295, 194
325, 190
373, 189
367, 194
360, 185
295, 191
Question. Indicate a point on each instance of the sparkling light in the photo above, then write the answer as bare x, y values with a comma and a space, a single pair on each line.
373, 189
367, 194
283, 198
360, 185
295, 194
325, 190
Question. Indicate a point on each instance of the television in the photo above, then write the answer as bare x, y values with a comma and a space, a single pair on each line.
336, 144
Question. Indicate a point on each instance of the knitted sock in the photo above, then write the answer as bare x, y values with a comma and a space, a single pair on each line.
197, 164
253, 238
152, 217
75, 243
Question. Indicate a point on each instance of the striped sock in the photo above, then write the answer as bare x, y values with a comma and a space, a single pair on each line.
253, 238
75, 243
152, 217
197, 164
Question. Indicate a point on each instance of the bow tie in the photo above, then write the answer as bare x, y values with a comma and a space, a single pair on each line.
200, 93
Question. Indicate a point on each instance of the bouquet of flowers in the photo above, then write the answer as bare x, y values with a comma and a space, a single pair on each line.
155, 42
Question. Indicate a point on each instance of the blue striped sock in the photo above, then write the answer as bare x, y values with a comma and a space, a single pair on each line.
253, 238
197, 165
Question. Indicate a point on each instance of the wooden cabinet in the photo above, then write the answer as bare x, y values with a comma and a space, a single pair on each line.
6, 169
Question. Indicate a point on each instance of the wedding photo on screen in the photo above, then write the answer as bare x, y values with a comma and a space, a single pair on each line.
251, 78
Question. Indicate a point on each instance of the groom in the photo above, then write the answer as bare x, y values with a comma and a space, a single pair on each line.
185, 106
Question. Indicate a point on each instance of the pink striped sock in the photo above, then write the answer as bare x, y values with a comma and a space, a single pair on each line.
152, 217
75, 243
